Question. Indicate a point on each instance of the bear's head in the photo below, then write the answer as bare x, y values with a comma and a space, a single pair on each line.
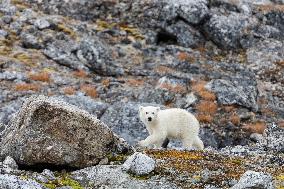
148, 114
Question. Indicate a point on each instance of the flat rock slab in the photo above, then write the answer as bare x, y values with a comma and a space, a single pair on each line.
48, 131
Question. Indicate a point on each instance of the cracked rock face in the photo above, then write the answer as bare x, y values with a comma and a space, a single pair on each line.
226, 31
239, 92
48, 131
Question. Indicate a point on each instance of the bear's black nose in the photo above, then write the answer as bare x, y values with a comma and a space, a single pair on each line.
149, 119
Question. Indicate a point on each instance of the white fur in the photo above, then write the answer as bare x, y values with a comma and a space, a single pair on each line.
170, 123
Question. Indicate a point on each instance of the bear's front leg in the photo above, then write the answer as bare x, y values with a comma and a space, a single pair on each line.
151, 140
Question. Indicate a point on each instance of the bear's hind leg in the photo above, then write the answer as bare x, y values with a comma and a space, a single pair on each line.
187, 143
197, 142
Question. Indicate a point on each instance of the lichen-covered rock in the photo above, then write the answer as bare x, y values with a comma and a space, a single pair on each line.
110, 176
9, 110
12, 182
274, 138
96, 108
61, 52
139, 164
186, 35
7, 8
90, 54
227, 31
10, 163
3, 34
235, 91
252, 179
48, 131
123, 119
193, 11
42, 23
263, 57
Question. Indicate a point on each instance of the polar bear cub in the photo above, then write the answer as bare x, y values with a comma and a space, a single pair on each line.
170, 123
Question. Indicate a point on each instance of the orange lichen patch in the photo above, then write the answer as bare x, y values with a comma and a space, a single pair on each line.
229, 108
106, 82
270, 7
207, 107
69, 90
198, 86
135, 82
281, 63
257, 127
164, 70
267, 112
27, 87
203, 118
177, 88
183, 56
235, 119
80, 73
42, 76
89, 90
201, 49
280, 123
207, 95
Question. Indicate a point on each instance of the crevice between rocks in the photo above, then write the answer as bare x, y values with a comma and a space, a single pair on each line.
41, 166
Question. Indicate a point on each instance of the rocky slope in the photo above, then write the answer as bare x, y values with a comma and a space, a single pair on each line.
222, 60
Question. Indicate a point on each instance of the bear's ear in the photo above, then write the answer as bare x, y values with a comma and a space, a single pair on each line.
141, 108
158, 109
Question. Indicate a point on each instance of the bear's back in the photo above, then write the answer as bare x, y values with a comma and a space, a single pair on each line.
177, 121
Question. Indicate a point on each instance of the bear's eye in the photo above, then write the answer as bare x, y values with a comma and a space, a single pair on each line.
153, 113
146, 112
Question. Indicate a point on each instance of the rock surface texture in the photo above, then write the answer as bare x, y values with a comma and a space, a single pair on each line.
47, 131
221, 60
139, 164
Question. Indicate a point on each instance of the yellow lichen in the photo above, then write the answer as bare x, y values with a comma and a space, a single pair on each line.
65, 180
67, 30
131, 30
22, 57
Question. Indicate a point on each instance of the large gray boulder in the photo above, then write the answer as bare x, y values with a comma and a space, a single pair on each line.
227, 31
48, 131
235, 91
90, 53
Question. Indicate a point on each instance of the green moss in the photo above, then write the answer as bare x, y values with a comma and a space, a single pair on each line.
117, 158
64, 180
50, 185
68, 31
142, 177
